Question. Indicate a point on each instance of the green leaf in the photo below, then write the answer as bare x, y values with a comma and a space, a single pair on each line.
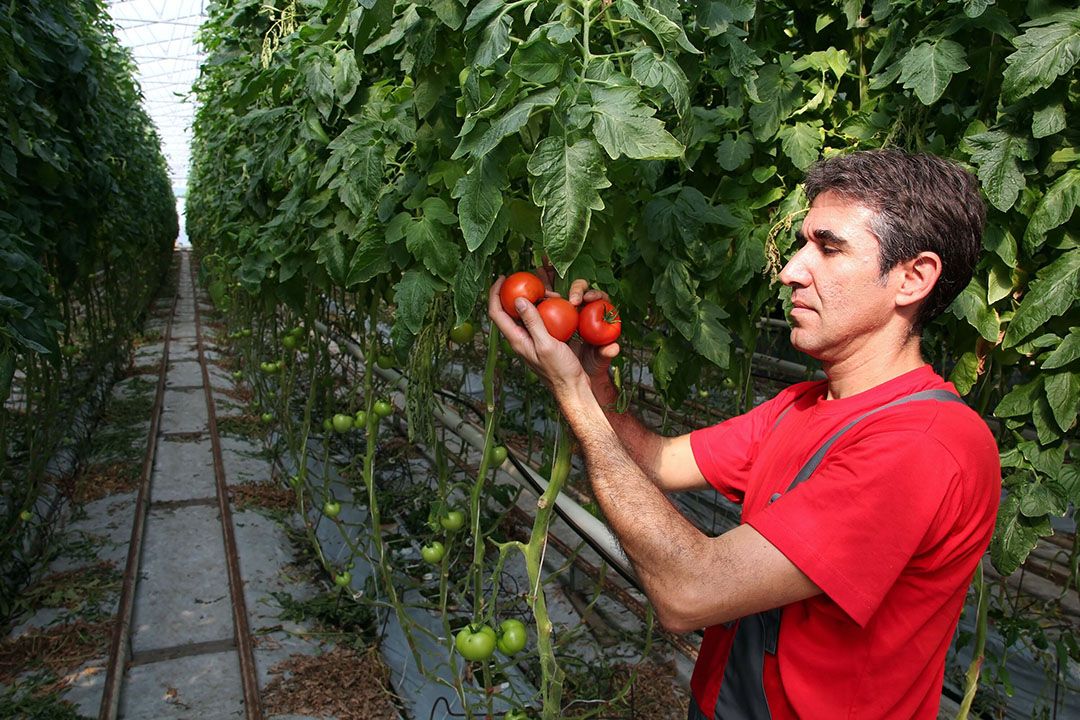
975, 8
346, 75
1047, 51
1055, 208
1063, 394
652, 70
1042, 415
734, 150
999, 283
1020, 400
538, 61
971, 305
712, 339
1038, 499
413, 296
778, 96
998, 155
1051, 294
667, 31
965, 373
566, 184
482, 141
623, 126
1069, 480
483, 10
494, 41
427, 239
330, 253
676, 294
802, 142
1048, 120
714, 16
831, 60
1000, 241
1066, 352
450, 12
929, 66
480, 194
369, 261
1015, 536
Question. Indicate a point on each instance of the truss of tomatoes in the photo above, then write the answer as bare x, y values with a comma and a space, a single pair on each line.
597, 322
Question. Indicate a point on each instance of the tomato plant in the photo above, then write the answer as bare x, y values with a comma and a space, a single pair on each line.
599, 323
512, 636
560, 317
520, 284
433, 552
475, 643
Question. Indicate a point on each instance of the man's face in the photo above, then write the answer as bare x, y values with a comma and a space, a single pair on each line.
840, 299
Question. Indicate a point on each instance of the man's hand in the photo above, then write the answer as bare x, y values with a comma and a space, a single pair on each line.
551, 359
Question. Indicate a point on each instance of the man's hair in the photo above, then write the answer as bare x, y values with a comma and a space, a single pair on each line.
920, 203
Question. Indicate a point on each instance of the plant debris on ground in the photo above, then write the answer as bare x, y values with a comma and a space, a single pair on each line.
342, 683
262, 494
60, 649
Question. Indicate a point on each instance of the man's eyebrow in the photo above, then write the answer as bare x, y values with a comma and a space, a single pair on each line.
822, 235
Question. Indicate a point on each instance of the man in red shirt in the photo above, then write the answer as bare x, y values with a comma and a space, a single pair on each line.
868, 498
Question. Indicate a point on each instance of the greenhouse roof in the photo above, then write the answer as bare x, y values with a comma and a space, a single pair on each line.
161, 37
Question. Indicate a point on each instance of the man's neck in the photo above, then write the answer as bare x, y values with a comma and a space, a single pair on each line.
865, 370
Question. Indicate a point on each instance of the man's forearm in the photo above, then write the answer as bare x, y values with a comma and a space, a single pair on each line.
642, 445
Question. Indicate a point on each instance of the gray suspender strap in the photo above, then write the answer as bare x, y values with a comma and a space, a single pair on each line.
812, 464
742, 690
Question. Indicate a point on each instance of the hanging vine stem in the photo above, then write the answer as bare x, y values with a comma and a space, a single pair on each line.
534, 552
972, 675
476, 571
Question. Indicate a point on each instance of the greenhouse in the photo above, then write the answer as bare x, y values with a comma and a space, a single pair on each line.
539, 359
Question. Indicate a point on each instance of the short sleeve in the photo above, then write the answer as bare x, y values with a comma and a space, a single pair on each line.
853, 525
725, 452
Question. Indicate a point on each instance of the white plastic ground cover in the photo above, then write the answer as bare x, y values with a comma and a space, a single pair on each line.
427, 693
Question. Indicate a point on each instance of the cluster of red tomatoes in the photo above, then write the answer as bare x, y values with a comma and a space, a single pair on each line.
597, 322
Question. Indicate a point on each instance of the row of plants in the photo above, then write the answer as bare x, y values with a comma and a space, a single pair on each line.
397, 156
87, 222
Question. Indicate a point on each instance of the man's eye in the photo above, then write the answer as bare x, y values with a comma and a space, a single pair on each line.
829, 250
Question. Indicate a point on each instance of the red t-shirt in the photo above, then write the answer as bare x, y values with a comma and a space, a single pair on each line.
890, 526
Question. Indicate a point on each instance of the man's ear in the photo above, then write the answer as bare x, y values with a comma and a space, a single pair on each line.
917, 278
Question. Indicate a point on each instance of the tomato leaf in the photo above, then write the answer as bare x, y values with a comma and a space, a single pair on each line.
734, 150
1048, 120
330, 253
494, 41
928, 67
712, 339
1015, 536
1052, 293
1055, 208
1066, 352
802, 142
676, 294
566, 180
538, 61
413, 295
1020, 400
623, 126
427, 239
998, 156
480, 197
483, 140
369, 260
666, 30
1047, 51
652, 70
1063, 394
971, 305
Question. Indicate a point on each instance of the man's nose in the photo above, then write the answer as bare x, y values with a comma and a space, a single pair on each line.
795, 271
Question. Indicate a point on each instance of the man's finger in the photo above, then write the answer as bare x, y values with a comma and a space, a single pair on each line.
578, 289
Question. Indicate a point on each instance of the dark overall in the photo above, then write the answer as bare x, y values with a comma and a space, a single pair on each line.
742, 691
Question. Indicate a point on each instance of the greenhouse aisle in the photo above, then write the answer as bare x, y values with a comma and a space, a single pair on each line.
181, 654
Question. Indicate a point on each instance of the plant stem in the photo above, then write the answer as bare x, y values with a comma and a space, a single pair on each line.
972, 675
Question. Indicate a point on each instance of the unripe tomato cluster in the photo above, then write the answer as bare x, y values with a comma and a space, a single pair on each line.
478, 642
597, 322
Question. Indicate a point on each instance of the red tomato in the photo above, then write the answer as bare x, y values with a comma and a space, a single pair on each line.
520, 284
599, 323
560, 317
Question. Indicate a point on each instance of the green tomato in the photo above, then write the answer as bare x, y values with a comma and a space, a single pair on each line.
728, 383
327, 425
342, 423
462, 333
512, 636
382, 408
385, 361
70, 350
452, 520
289, 342
246, 332
433, 553
360, 420
331, 508
475, 644
498, 455
516, 715
294, 482
297, 331
267, 418
238, 374
343, 578
25, 515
